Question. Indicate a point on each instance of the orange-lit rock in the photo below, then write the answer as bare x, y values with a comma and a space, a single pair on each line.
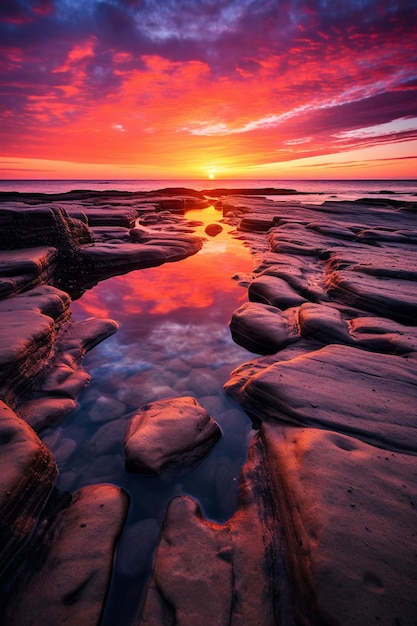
169, 436
349, 515
71, 583
263, 328
27, 475
232, 573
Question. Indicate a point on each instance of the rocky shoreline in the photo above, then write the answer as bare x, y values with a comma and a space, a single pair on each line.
325, 531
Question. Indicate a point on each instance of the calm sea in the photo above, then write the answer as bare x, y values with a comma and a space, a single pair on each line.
316, 191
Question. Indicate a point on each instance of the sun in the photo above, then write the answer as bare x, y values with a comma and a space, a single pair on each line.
211, 173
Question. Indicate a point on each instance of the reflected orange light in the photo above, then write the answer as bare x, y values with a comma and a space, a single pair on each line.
198, 282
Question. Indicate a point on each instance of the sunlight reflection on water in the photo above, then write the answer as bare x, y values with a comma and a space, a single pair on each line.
173, 341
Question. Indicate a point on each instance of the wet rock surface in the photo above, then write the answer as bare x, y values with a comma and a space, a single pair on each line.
69, 585
171, 435
335, 403
324, 530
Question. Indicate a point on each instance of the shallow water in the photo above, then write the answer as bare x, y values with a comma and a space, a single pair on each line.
173, 340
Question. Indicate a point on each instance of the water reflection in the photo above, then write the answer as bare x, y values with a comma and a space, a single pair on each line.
174, 340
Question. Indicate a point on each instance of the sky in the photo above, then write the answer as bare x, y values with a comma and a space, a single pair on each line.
208, 89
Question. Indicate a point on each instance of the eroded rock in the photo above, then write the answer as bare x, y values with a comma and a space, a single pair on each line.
349, 516
169, 436
27, 475
340, 388
70, 585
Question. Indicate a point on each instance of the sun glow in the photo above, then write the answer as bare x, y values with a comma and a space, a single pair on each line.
211, 173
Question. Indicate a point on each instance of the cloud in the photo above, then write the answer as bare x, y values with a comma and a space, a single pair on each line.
402, 125
237, 81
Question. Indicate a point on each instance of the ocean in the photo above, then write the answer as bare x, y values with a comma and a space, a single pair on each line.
313, 191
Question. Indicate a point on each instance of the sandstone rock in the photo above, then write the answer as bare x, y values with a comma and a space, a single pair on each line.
71, 584
26, 339
213, 229
274, 291
392, 298
169, 436
222, 574
262, 328
349, 516
43, 412
22, 225
323, 323
22, 269
340, 388
27, 475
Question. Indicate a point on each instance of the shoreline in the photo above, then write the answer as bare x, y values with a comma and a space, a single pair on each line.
332, 472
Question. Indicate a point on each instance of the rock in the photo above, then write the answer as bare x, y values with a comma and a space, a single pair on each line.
262, 328
22, 225
43, 412
323, 323
27, 475
349, 516
394, 298
340, 388
105, 409
205, 571
26, 339
71, 583
274, 291
23, 269
169, 436
213, 229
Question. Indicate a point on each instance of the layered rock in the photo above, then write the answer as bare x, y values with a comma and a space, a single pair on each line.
41, 353
349, 519
229, 573
27, 475
169, 436
336, 404
26, 268
70, 583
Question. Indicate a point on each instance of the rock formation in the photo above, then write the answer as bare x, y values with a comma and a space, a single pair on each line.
171, 435
324, 531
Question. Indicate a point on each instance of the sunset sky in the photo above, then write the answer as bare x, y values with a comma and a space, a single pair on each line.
208, 88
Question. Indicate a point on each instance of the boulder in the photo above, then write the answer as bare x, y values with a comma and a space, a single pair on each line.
169, 436
274, 291
262, 328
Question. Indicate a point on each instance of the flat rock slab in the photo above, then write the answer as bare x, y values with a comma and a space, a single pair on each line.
340, 388
349, 512
27, 475
71, 585
169, 436
223, 574
22, 269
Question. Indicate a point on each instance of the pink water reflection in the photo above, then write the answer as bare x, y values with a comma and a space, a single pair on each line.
201, 281
173, 340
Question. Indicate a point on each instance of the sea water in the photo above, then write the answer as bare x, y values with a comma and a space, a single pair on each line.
314, 191
173, 341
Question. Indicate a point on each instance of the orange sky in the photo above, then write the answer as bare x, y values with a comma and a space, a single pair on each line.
199, 88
